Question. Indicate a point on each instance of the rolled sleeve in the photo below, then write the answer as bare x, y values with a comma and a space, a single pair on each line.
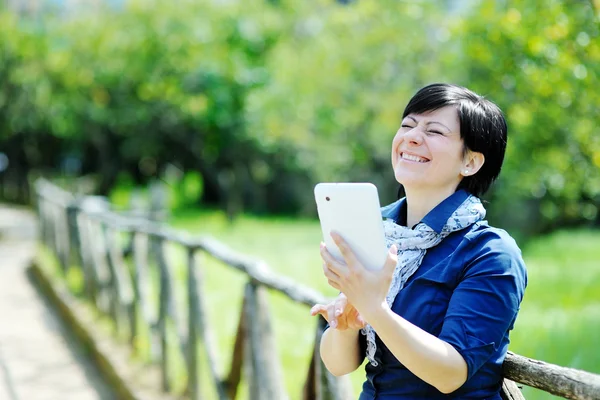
474, 351
485, 303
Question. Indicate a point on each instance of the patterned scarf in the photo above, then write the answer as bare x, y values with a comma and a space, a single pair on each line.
412, 246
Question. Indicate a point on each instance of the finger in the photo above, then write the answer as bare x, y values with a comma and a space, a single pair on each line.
361, 321
340, 305
334, 265
345, 249
322, 311
332, 278
391, 261
334, 284
327, 256
331, 317
316, 309
329, 272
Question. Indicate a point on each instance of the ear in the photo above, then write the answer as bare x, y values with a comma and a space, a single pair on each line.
473, 163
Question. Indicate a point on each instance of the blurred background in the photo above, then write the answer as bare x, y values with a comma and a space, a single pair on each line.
238, 108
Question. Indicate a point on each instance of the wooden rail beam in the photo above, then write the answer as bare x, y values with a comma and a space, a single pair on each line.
568, 383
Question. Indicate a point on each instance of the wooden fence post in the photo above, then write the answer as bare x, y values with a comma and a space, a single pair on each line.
121, 280
267, 380
167, 310
42, 224
146, 274
89, 205
320, 383
101, 272
193, 311
75, 248
86, 244
510, 391
141, 283
163, 311
113, 283
199, 327
61, 237
239, 353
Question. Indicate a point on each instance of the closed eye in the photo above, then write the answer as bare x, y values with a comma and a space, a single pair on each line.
436, 132
406, 126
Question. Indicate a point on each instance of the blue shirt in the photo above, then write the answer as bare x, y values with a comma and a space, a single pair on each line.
466, 292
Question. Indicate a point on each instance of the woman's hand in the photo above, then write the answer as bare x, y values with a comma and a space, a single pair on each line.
339, 348
365, 289
339, 314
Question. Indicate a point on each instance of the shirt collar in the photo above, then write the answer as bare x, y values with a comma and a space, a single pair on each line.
392, 211
436, 218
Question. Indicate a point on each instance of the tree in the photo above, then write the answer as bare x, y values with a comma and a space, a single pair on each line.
540, 60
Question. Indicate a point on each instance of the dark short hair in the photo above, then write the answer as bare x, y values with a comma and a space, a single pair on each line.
482, 128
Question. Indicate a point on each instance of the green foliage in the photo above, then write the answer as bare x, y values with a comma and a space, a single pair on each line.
262, 100
539, 60
338, 86
133, 89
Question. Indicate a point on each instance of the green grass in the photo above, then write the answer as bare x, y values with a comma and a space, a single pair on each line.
559, 319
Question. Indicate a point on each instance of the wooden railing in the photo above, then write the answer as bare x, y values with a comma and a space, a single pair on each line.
85, 228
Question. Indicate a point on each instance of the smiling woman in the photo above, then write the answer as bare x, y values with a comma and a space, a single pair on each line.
434, 322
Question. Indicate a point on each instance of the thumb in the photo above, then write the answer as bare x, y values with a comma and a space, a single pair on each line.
392, 260
361, 321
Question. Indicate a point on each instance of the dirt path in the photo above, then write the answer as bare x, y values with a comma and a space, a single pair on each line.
39, 358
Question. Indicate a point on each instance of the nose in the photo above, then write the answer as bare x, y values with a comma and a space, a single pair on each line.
414, 136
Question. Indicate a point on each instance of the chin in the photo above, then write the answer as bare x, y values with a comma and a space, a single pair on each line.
404, 180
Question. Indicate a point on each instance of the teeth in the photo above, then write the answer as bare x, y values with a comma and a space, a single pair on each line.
413, 158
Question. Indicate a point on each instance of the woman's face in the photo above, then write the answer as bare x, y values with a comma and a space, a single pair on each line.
427, 151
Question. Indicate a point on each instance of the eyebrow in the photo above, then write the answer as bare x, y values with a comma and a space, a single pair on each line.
430, 122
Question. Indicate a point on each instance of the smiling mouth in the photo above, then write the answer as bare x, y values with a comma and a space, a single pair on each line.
413, 158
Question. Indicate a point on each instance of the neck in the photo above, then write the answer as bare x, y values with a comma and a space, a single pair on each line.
420, 202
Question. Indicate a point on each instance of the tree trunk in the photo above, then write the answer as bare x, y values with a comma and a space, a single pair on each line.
109, 161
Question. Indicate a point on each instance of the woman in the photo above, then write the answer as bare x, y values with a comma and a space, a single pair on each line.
434, 321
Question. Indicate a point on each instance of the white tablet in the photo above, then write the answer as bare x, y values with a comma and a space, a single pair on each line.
353, 211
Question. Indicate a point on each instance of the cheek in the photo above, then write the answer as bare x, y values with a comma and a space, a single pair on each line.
448, 158
395, 144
